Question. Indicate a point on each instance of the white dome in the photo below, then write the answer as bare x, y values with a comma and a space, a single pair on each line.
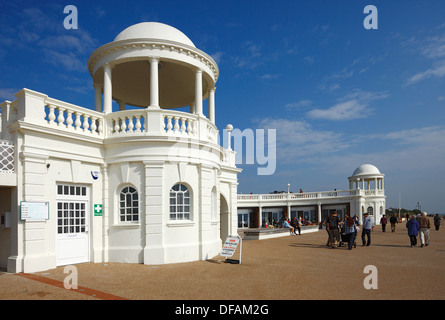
366, 169
154, 30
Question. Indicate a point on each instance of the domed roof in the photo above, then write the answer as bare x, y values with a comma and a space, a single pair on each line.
366, 169
154, 30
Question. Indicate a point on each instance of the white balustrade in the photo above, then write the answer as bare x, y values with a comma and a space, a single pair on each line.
73, 118
127, 122
304, 195
178, 123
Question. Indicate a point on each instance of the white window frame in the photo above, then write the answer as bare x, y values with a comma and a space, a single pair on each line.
126, 208
178, 204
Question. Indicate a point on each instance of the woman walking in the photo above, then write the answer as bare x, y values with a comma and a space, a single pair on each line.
351, 231
413, 230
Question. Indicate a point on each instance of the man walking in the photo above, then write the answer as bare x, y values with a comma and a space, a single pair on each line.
333, 225
383, 222
368, 224
393, 220
424, 231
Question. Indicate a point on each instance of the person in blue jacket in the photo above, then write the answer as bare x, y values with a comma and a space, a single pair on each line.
413, 230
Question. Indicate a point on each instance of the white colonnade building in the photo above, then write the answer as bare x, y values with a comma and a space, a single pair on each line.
366, 194
140, 185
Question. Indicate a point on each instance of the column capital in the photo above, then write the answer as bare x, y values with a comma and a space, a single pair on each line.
109, 66
154, 59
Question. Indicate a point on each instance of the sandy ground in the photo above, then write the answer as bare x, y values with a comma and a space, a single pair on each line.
287, 268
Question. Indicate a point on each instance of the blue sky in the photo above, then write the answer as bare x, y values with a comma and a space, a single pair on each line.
337, 95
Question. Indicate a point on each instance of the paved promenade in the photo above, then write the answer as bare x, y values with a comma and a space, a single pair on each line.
287, 268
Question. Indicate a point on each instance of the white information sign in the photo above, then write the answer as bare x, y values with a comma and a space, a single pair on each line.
34, 211
230, 246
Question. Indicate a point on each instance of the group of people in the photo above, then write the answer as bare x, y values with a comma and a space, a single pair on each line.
420, 226
349, 227
293, 225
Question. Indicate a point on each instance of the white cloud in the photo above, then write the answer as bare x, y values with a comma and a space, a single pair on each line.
354, 105
251, 58
217, 56
437, 71
347, 110
298, 104
269, 76
297, 141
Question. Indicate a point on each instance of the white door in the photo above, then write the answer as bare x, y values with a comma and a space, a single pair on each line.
72, 243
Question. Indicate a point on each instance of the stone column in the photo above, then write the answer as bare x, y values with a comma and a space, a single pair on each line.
108, 89
198, 92
212, 105
154, 82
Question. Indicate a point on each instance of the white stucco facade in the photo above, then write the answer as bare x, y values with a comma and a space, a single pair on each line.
148, 185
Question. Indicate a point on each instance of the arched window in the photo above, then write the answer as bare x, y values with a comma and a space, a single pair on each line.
370, 210
179, 202
128, 205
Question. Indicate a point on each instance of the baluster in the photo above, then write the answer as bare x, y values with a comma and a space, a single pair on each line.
169, 124
51, 115
69, 119
100, 128
93, 124
138, 124
77, 123
60, 118
85, 125
176, 127
130, 124
123, 125
183, 127
116, 125
190, 127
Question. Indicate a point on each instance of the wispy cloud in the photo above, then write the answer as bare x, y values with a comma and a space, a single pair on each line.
432, 48
251, 57
354, 105
347, 110
42, 30
437, 71
269, 76
299, 104
297, 141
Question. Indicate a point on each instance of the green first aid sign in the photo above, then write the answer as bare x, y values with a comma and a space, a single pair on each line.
98, 210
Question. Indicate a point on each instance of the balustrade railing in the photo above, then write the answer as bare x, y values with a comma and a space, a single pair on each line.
179, 123
127, 122
39, 110
76, 119
308, 195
